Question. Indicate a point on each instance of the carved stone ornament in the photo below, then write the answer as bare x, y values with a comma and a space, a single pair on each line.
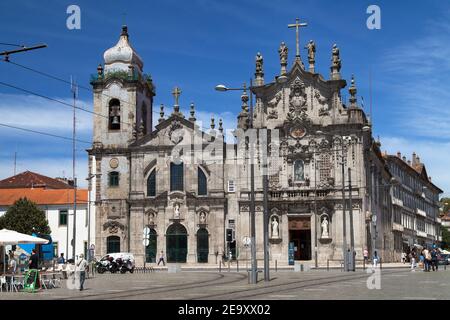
114, 163
113, 226
176, 132
298, 132
297, 99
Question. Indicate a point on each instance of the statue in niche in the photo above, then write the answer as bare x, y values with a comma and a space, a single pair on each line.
177, 211
275, 234
202, 218
299, 174
324, 224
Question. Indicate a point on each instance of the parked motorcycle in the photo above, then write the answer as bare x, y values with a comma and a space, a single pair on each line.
125, 265
107, 264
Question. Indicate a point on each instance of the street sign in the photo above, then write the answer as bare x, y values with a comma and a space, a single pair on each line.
246, 241
146, 242
146, 232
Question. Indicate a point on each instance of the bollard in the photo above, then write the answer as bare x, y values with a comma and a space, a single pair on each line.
381, 264
237, 265
220, 266
276, 265
229, 262
364, 264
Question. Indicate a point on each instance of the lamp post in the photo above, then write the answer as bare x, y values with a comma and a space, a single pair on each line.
89, 179
253, 277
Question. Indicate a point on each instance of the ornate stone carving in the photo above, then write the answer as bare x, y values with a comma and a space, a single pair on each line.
113, 226
297, 100
272, 106
175, 132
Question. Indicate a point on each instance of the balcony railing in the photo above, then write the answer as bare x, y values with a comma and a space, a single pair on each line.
421, 212
298, 194
397, 202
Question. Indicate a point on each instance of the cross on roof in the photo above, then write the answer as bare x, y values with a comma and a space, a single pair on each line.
176, 93
297, 25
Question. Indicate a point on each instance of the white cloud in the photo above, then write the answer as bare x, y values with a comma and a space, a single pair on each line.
433, 154
418, 74
37, 113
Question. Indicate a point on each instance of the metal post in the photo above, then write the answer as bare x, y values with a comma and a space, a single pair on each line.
266, 209
220, 266
276, 265
74, 91
316, 263
352, 238
328, 265
252, 199
237, 265
344, 237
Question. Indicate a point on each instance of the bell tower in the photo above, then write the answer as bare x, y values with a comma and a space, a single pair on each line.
123, 96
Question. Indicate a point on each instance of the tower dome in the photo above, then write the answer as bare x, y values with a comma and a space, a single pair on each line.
122, 55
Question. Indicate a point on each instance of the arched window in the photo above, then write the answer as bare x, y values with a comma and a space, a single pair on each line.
151, 184
113, 178
299, 170
112, 244
114, 114
176, 177
202, 183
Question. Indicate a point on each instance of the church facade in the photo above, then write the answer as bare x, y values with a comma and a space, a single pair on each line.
186, 190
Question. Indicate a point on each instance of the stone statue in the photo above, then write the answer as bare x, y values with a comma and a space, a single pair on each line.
275, 234
336, 60
177, 211
325, 228
283, 51
311, 51
259, 63
202, 217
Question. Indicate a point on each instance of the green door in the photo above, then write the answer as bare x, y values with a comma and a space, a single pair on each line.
176, 243
112, 244
150, 250
202, 245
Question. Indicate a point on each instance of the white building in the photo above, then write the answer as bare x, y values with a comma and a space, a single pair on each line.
55, 197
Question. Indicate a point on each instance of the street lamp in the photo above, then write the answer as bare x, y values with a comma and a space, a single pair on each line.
89, 178
254, 274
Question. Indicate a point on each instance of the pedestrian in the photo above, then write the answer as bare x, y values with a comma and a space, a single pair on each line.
375, 259
366, 255
422, 260
61, 259
161, 258
413, 260
33, 266
434, 259
81, 270
427, 256
403, 257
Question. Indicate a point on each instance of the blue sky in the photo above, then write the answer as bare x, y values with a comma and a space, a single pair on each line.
198, 44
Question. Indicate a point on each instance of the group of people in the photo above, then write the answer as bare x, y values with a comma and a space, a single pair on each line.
375, 258
428, 259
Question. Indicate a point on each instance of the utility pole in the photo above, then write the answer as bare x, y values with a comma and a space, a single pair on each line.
254, 274
15, 162
74, 91
266, 206
316, 221
344, 231
352, 237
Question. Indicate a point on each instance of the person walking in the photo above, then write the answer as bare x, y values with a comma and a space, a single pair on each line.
81, 269
427, 257
161, 258
413, 260
434, 259
366, 255
61, 259
375, 259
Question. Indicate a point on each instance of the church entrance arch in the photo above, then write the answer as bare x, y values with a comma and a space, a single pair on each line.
176, 243
150, 250
300, 235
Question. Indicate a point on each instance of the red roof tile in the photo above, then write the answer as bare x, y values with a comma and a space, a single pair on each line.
42, 196
30, 179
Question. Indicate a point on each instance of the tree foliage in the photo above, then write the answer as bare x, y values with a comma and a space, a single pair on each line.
445, 204
445, 243
24, 216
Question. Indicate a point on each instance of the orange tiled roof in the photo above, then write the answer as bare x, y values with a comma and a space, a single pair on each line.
30, 179
42, 196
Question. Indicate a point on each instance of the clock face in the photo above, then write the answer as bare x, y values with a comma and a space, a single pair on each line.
298, 132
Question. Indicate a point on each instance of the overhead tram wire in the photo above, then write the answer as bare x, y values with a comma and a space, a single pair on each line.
79, 86
42, 133
56, 100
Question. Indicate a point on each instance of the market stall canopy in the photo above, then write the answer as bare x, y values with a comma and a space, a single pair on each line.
14, 237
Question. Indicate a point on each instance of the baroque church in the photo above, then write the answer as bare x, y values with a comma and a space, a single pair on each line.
170, 185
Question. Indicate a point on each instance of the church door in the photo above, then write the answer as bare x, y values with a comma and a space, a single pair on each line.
202, 245
176, 243
300, 235
150, 250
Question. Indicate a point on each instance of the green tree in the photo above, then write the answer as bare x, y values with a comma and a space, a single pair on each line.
445, 204
445, 243
25, 217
